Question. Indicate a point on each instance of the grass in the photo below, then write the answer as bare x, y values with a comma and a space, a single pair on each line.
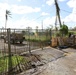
37, 38
4, 62
73, 32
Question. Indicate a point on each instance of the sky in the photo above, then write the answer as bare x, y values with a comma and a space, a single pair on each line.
33, 13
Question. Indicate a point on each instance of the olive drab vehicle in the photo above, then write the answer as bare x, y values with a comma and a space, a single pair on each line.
15, 38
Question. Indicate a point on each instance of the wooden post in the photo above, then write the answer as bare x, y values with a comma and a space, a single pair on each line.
9, 54
29, 42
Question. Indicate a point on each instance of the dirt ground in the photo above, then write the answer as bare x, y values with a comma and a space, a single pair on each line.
56, 62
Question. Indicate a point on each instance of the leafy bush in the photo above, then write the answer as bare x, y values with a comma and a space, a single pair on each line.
64, 30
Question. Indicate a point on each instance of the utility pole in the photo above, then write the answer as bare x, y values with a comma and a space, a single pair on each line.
57, 13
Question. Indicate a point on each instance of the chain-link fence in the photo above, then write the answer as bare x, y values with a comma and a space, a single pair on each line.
13, 42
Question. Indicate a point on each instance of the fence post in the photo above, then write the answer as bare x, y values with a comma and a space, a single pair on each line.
9, 54
29, 41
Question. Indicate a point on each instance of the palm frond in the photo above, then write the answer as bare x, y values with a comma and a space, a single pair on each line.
8, 13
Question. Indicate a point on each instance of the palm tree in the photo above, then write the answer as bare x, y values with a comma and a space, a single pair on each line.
8, 13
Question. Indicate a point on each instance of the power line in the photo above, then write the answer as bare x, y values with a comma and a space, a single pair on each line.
51, 11
67, 11
35, 19
41, 15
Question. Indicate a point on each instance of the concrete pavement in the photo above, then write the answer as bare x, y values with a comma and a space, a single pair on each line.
58, 62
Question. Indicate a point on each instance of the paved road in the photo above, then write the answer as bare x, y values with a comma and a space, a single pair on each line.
16, 48
62, 66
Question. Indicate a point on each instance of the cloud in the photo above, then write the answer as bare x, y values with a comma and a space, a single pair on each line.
62, 0
24, 9
49, 21
16, 9
19, 0
69, 18
43, 5
72, 16
51, 2
23, 23
71, 3
44, 14
4, 6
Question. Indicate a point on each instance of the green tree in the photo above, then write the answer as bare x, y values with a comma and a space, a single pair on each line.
64, 30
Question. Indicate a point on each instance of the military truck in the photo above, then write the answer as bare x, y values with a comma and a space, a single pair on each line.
15, 38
